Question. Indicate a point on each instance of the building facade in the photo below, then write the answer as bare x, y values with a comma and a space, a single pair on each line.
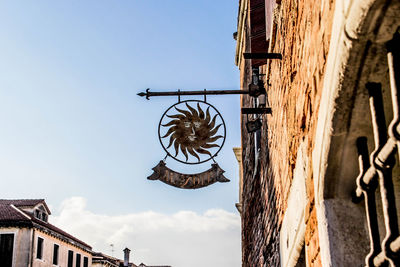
330, 71
28, 239
103, 260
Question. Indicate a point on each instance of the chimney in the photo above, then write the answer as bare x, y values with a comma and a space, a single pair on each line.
126, 257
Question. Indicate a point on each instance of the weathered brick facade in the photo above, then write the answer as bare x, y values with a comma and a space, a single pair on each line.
302, 36
301, 32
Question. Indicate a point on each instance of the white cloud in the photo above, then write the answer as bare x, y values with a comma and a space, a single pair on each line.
183, 239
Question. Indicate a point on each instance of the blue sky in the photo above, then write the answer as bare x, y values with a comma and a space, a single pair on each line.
71, 123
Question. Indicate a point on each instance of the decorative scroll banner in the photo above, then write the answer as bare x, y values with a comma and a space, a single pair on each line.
188, 181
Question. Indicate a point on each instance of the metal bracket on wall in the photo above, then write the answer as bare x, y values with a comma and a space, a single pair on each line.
262, 55
254, 90
256, 110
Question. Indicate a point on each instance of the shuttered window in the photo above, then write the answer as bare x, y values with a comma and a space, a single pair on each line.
70, 258
39, 248
6, 249
55, 254
78, 260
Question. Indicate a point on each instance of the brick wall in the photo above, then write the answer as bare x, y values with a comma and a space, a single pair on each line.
301, 35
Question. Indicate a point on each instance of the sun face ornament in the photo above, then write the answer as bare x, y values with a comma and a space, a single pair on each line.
192, 131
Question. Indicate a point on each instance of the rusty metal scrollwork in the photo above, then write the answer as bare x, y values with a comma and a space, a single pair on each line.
192, 131
188, 181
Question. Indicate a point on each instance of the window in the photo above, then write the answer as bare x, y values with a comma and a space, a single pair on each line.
78, 260
6, 249
40, 214
39, 248
85, 262
70, 258
55, 254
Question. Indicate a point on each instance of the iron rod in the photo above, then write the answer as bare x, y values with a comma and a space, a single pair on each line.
384, 171
380, 258
384, 148
393, 57
382, 161
370, 204
148, 94
382, 158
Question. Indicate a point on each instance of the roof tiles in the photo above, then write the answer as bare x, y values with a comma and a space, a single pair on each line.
13, 215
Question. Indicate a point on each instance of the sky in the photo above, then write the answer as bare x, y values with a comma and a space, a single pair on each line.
74, 132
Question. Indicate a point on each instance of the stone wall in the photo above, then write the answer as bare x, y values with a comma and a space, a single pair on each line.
301, 34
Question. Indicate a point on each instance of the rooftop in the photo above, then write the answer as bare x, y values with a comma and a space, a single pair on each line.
12, 213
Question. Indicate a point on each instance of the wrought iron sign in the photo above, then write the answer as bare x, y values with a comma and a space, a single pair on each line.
190, 132
194, 132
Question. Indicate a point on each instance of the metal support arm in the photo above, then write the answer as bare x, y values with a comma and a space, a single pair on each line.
254, 90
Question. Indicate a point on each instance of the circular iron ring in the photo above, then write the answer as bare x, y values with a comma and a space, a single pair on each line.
175, 157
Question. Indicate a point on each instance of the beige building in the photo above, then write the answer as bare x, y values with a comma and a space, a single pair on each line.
28, 239
103, 260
